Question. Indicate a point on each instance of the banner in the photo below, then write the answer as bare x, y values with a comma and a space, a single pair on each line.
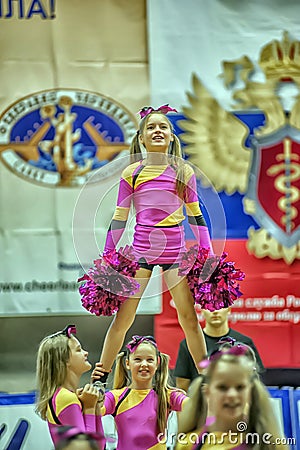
234, 77
62, 149
270, 319
196, 36
22, 428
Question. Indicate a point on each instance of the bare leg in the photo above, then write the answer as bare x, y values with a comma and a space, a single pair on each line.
122, 322
187, 316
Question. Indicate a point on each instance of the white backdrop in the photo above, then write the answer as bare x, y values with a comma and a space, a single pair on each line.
195, 36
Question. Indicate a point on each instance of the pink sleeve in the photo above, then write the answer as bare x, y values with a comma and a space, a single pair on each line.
100, 430
99, 425
72, 415
176, 400
109, 404
124, 194
119, 220
201, 233
195, 217
87, 423
113, 236
90, 422
190, 192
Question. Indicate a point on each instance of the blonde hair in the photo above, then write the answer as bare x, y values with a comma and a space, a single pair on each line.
51, 371
160, 382
174, 152
261, 418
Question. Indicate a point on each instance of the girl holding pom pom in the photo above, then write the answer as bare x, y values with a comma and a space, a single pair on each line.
141, 399
159, 184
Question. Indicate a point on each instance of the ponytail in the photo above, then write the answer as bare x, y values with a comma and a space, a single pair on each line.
261, 417
175, 153
175, 147
135, 149
194, 414
121, 377
161, 387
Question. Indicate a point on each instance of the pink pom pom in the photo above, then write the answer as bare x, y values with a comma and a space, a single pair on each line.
110, 282
213, 280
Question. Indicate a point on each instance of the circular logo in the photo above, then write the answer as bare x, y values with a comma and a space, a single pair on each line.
241, 426
61, 137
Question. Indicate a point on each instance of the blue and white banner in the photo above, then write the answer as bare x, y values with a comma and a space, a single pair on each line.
22, 428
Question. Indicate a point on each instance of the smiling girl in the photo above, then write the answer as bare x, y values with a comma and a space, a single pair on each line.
159, 184
141, 399
240, 406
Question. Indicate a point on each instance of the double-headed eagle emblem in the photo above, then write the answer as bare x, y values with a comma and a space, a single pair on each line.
263, 164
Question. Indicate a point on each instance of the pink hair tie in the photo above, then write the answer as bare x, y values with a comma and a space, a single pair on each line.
227, 340
237, 350
137, 340
67, 331
164, 109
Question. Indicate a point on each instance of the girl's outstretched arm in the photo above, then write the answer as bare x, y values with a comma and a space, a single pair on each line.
97, 372
195, 216
120, 217
193, 414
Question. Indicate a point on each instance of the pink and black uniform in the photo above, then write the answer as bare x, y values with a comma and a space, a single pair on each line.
159, 233
64, 409
136, 416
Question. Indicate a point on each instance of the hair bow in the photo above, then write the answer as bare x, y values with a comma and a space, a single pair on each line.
136, 340
164, 109
226, 340
67, 331
236, 350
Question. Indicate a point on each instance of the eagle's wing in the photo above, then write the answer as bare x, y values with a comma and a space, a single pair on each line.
215, 141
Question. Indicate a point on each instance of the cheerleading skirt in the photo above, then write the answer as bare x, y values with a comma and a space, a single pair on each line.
159, 245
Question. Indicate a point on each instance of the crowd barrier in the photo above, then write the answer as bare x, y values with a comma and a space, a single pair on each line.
22, 429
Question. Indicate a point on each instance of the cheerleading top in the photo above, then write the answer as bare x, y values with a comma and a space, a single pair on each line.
136, 416
64, 409
159, 231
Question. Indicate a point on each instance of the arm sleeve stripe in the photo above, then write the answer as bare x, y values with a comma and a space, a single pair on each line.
197, 220
117, 225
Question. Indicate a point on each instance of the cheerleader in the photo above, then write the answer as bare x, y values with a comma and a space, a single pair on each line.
60, 363
159, 184
141, 400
